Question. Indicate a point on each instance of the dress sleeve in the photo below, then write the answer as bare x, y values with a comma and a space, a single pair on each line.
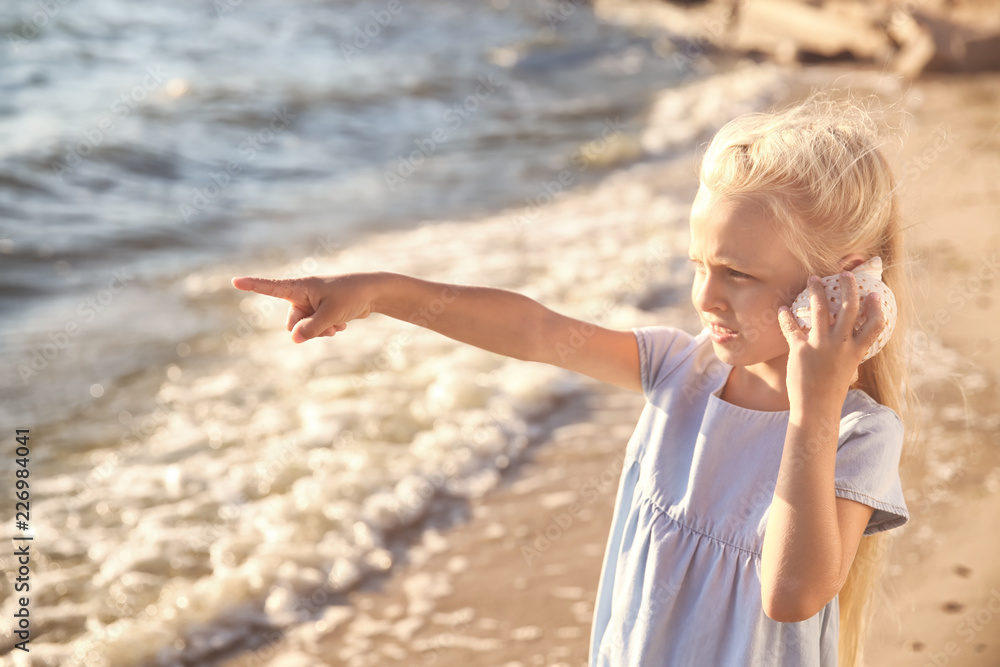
661, 350
867, 468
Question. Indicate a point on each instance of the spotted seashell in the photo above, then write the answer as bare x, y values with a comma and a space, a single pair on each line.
869, 278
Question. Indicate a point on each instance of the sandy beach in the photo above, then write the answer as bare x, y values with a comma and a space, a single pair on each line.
510, 579
944, 573
206, 493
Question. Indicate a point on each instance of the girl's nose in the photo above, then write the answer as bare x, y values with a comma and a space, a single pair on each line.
707, 295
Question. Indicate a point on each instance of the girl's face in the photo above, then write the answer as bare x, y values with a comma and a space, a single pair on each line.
743, 273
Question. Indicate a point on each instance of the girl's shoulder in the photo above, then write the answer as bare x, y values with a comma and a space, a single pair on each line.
860, 406
869, 451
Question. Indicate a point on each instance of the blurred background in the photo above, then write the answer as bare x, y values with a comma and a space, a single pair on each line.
205, 492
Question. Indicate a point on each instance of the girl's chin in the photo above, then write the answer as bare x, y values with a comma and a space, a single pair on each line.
735, 353
726, 354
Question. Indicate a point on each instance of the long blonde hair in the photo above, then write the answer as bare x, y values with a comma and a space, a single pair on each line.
820, 172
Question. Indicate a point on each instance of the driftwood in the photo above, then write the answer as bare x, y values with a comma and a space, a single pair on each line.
960, 49
901, 35
787, 29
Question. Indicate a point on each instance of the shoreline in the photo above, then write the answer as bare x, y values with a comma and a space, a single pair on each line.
436, 607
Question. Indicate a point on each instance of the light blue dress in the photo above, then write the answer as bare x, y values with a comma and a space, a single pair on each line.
680, 584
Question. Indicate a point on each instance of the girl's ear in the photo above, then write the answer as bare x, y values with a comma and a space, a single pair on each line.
852, 261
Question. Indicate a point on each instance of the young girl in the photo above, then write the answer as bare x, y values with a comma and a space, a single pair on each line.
766, 450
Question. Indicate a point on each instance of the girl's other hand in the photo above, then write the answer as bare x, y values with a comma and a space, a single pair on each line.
320, 305
823, 361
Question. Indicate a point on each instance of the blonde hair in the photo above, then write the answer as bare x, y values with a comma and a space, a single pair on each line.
819, 171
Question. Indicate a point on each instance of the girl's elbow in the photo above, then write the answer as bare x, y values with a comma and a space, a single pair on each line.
785, 613
793, 606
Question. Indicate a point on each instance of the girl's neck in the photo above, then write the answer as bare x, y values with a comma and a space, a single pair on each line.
758, 387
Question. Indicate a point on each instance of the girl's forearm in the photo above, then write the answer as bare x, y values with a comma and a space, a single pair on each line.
510, 324
493, 319
802, 555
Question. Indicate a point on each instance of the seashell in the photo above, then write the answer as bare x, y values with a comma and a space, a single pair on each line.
869, 279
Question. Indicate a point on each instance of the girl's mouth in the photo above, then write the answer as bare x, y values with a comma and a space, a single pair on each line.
721, 334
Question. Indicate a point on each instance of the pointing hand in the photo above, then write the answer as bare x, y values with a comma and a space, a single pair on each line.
320, 305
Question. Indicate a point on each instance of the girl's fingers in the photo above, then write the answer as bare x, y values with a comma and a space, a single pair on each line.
305, 319
336, 328
314, 325
294, 315
789, 327
282, 289
844, 327
874, 324
818, 305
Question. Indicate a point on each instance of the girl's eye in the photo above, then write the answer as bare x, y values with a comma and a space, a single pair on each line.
733, 273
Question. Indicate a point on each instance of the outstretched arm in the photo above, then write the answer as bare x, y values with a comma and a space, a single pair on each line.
493, 319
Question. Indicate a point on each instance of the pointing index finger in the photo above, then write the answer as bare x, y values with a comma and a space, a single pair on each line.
266, 286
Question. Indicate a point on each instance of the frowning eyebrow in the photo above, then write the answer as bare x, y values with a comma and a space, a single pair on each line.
726, 262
